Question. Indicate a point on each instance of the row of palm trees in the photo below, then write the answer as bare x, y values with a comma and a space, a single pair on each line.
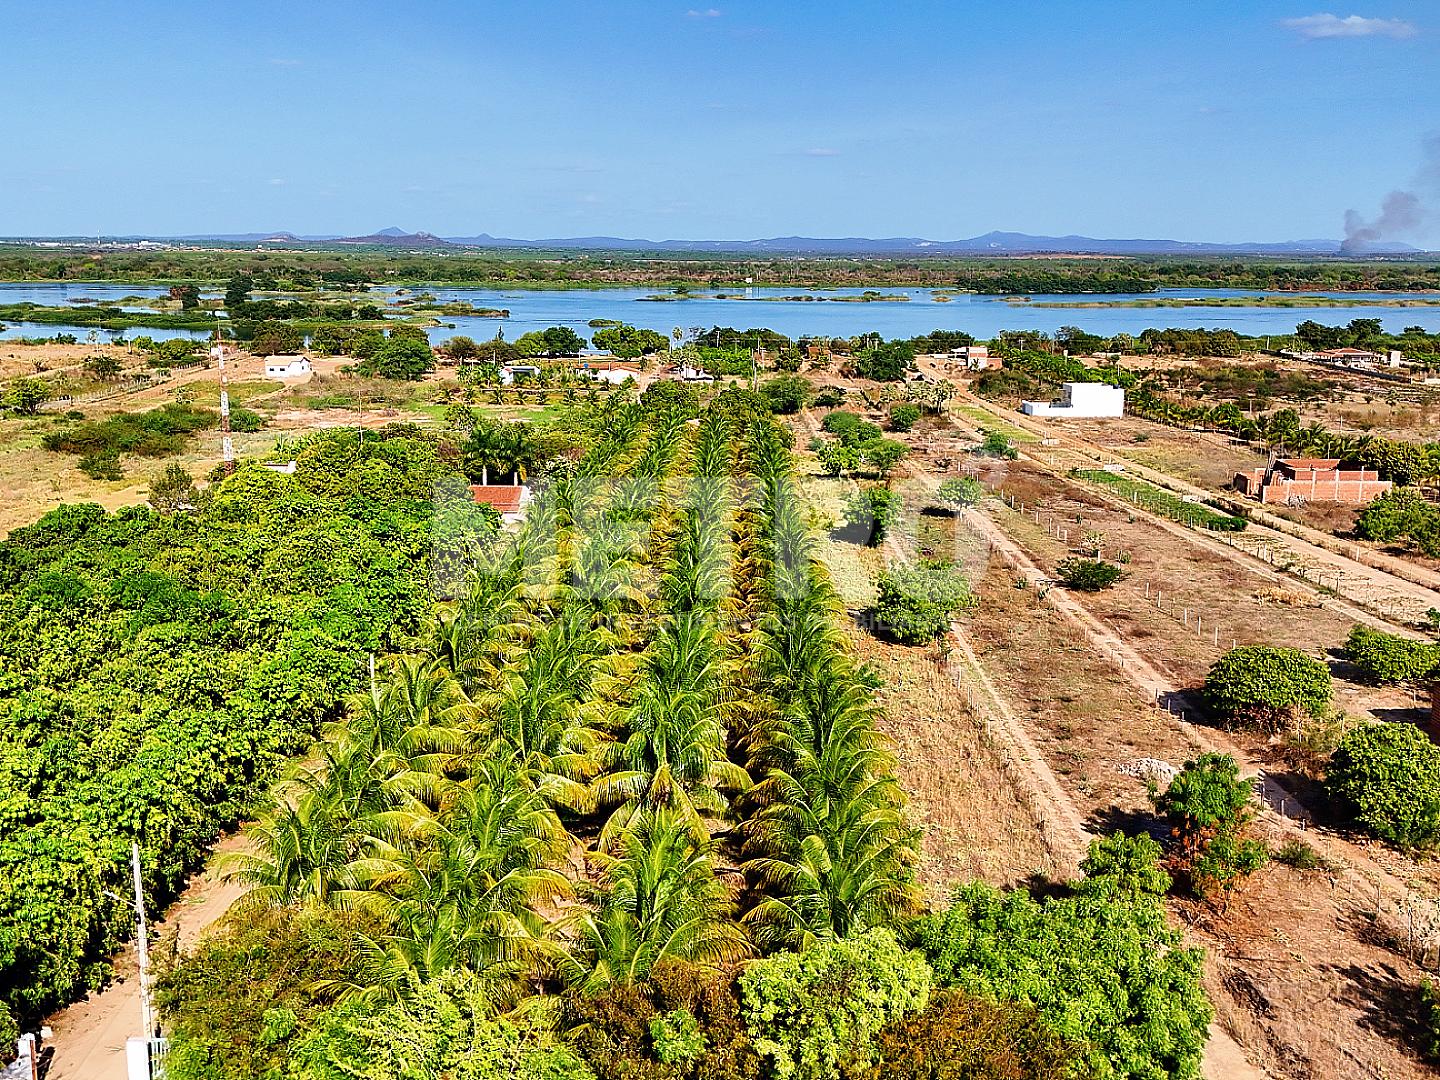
1281, 431
638, 736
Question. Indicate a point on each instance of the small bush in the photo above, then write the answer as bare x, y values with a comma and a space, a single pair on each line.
873, 512
996, 445
1088, 575
829, 398
102, 465
1267, 687
1389, 658
917, 602
1298, 855
1207, 807
245, 421
958, 492
1430, 1019
903, 416
1388, 777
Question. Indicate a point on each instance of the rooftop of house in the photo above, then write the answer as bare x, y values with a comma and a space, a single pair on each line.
505, 498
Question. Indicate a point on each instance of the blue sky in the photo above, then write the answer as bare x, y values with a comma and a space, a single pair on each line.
728, 119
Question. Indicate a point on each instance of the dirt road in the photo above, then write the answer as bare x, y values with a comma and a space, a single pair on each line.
89, 1036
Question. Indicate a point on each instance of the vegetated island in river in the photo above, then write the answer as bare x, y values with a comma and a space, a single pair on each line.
1301, 301
867, 297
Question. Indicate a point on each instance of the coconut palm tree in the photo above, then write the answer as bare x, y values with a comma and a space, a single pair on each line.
465, 885
658, 899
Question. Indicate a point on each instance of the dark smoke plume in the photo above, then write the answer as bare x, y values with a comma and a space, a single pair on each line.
1401, 214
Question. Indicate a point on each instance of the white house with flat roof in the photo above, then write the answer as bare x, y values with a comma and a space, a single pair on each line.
1080, 400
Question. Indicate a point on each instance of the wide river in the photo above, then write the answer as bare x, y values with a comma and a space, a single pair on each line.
923, 310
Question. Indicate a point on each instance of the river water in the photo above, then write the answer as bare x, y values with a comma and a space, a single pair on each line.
923, 310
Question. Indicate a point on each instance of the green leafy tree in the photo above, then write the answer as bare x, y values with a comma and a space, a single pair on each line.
1268, 687
172, 489
1108, 976
873, 512
816, 1015
237, 291
1389, 658
786, 394
916, 603
188, 296
903, 416
275, 339
25, 396
883, 455
402, 356
1388, 777
1208, 809
959, 492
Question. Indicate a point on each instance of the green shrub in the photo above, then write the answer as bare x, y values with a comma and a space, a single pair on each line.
882, 455
442, 1028
232, 1006
873, 511
816, 1015
958, 492
102, 465
245, 421
960, 1036
996, 444
1267, 687
1430, 1019
1109, 976
1388, 777
830, 397
787, 394
1389, 658
156, 433
916, 602
1298, 855
676, 1036
9, 1034
1120, 867
840, 422
1208, 808
903, 416
1088, 575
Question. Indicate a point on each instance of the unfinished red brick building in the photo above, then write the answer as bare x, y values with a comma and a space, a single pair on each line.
1311, 480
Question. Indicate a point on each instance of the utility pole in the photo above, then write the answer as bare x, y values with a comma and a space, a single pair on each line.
227, 448
143, 945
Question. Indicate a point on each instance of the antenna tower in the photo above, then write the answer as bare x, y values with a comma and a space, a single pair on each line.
226, 446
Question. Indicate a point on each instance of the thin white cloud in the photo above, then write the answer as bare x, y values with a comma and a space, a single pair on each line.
277, 182
285, 61
703, 13
822, 151
1319, 27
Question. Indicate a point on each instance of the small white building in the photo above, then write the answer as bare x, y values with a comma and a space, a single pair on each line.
1080, 401
286, 367
511, 373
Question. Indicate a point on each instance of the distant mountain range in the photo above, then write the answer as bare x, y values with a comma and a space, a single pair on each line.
991, 243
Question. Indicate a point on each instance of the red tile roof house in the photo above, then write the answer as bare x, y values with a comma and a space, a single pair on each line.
1311, 480
508, 499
